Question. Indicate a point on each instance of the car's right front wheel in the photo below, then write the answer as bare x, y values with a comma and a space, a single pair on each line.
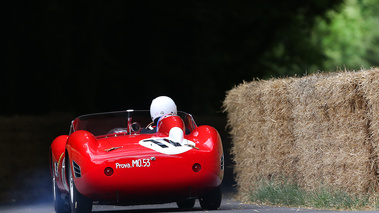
212, 199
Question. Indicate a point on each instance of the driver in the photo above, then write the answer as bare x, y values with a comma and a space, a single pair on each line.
160, 106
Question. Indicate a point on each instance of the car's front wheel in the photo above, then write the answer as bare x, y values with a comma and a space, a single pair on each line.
211, 200
60, 204
78, 202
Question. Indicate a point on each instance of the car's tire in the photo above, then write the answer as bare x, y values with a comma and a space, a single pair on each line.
60, 204
78, 202
186, 204
211, 200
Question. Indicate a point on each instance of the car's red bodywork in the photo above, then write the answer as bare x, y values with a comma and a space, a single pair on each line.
129, 167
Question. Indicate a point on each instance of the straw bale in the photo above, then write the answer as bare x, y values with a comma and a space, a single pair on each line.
370, 87
260, 121
303, 93
277, 128
319, 130
244, 107
331, 132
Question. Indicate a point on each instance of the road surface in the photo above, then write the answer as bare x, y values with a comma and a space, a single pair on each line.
229, 204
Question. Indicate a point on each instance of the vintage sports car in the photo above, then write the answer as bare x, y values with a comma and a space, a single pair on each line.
117, 158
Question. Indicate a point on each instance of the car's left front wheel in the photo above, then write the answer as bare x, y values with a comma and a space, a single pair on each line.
78, 202
60, 204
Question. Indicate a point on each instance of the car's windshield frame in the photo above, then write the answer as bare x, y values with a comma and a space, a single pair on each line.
106, 123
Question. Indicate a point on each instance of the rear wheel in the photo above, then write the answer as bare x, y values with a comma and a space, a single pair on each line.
78, 202
211, 200
186, 204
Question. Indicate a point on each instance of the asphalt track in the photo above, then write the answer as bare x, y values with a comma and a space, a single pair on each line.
229, 204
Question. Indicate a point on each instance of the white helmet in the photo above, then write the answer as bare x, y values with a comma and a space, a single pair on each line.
162, 105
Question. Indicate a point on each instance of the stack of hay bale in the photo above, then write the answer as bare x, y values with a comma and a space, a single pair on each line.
319, 131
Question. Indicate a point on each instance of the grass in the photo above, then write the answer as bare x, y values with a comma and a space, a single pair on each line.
275, 193
287, 193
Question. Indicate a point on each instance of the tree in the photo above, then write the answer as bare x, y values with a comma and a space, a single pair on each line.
350, 39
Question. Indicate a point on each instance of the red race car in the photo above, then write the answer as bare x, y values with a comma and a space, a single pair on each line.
117, 158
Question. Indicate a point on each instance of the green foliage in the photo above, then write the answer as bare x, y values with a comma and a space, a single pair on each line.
279, 193
287, 193
349, 37
336, 199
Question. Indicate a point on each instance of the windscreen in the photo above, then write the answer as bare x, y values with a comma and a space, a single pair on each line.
121, 121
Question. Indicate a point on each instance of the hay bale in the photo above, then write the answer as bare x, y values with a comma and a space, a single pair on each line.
260, 121
277, 128
331, 132
319, 130
370, 87
303, 93
246, 162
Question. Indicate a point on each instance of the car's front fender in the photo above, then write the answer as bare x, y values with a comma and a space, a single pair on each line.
57, 152
79, 151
